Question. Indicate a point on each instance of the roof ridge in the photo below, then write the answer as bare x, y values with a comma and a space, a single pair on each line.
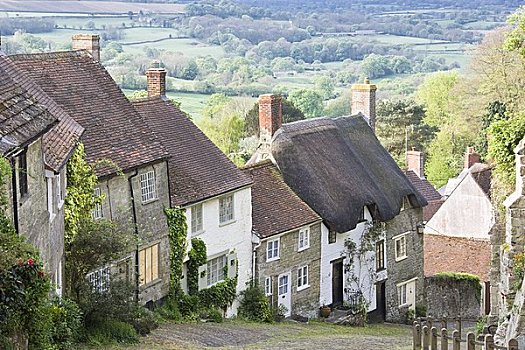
262, 164
51, 54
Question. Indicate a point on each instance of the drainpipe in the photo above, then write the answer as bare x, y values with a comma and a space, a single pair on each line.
136, 229
256, 244
15, 195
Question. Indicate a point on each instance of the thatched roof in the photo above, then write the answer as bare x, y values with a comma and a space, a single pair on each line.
337, 166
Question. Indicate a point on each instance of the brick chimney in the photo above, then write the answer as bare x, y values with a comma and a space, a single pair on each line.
156, 80
88, 42
471, 157
270, 120
364, 101
416, 162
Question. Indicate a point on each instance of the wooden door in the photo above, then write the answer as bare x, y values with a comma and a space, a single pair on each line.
337, 283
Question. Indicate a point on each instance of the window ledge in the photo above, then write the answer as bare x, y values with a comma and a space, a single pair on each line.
60, 204
273, 259
226, 223
303, 287
381, 269
401, 258
197, 233
150, 284
150, 201
52, 216
303, 248
405, 305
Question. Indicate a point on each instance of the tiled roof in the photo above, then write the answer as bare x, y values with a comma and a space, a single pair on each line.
198, 170
60, 141
431, 208
456, 254
22, 117
423, 186
114, 131
275, 207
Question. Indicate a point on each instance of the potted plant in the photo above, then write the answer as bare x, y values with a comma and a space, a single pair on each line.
325, 311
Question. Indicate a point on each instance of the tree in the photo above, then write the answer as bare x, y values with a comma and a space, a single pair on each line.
436, 95
325, 86
399, 127
191, 71
310, 102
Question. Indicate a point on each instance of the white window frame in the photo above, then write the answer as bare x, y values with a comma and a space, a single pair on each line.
196, 219
226, 217
215, 269
268, 286
96, 212
402, 253
60, 193
148, 188
100, 279
302, 278
273, 248
303, 241
50, 198
402, 297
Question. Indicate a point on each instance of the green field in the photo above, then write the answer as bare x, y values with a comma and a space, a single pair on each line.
79, 6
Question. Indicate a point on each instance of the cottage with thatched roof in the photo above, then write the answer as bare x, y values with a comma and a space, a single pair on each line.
371, 251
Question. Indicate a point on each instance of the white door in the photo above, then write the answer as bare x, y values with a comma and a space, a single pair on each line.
285, 293
411, 294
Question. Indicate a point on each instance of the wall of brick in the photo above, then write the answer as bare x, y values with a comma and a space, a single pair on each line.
304, 302
408, 268
151, 221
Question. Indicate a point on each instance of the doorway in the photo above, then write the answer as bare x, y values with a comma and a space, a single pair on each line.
337, 283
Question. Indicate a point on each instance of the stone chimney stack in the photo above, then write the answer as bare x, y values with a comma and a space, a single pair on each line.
88, 42
364, 101
156, 80
471, 157
270, 120
416, 162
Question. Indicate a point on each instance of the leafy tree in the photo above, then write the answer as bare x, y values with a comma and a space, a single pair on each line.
445, 157
325, 86
310, 102
399, 126
436, 95
290, 114
191, 71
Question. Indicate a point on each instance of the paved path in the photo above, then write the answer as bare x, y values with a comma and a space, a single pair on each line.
289, 336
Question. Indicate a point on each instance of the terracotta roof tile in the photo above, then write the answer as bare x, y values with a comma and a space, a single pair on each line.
423, 186
84, 89
275, 207
456, 254
197, 168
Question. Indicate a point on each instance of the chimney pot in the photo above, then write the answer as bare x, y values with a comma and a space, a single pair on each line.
416, 162
364, 101
88, 42
471, 157
156, 81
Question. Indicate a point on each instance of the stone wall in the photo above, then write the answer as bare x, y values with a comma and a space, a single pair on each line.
151, 221
304, 302
409, 268
449, 297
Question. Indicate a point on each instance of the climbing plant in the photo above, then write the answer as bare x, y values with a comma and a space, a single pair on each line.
197, 256
177, 233
80, 199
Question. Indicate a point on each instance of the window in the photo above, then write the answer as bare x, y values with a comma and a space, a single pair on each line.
362, 215
402, 294
304, 239
400, 247
149, 264
272, 250
147, 186
283, 285
60, 192
97, 213
332, 237
196, 218
58, 279
100, 279
50, 206
302, 278
268, 286
226, 209
380, 255
22, 174
215, 269
405, 204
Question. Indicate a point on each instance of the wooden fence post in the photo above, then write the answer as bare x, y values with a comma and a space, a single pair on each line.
443, 323
429, 322
471, 341
426, 337
456, 340
513, 344
458, 325
434, 339
416, 334
444, 339
489, 342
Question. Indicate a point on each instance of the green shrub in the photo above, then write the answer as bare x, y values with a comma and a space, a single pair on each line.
481, 323
254, 305
143, 320
189, 305
421, 310
66, 321
213, 315
170, 310
110, 332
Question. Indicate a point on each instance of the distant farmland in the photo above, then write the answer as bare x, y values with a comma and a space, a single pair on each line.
91, 7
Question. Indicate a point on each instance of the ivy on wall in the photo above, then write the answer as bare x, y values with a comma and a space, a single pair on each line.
197, 257
177, 233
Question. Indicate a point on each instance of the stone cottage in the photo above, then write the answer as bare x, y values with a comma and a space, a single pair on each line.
339, 168
215, 194
288, 247
131, 162
37, 137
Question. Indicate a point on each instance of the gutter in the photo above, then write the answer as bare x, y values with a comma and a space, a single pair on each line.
136, 229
